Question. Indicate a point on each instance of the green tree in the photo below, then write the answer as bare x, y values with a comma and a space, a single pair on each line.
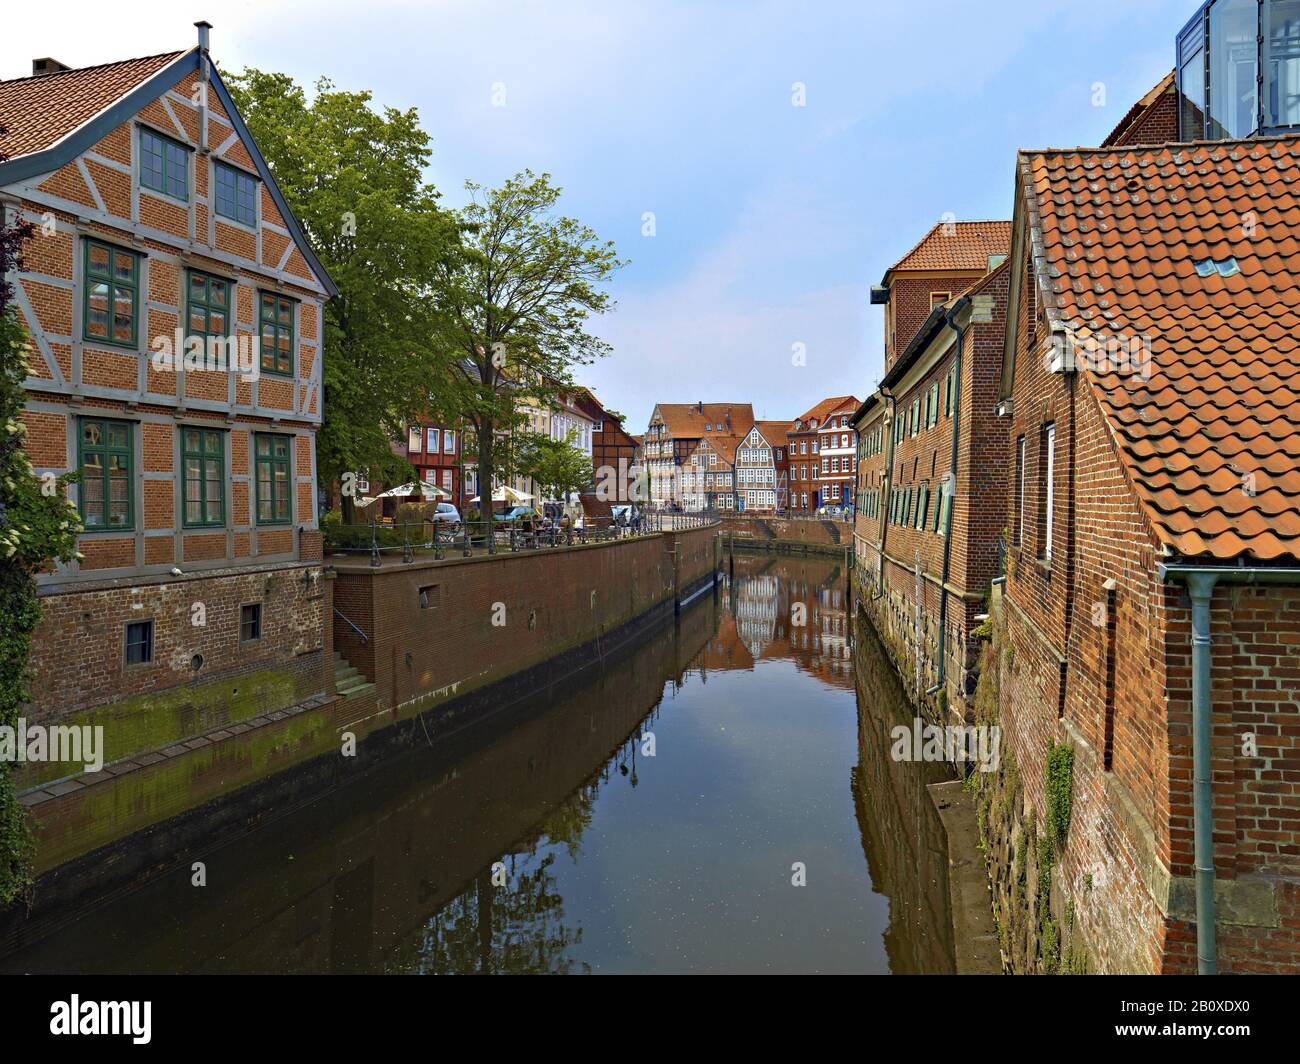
556, 465
38, 523
519, 305
353, 176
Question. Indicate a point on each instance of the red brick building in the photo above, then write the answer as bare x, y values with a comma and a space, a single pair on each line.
931, 485
437, 453
1153, 588
164, 252
837, 452
946, 261
804, 456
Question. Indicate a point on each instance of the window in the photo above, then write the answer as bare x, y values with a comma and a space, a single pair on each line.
449, 442
923, 507
1282, 63
164, 165
250, 622
139, 643
414, 438
1018, 518
107, 474
272, 454
208, 305
1234, 57
943, 520
433, 440
236, 195
938, 299
430, 597
1191, 82
276, 318
203, 459
112, 300
934, 404
1047, 503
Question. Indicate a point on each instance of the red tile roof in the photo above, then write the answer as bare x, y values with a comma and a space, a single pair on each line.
1210, 435
825, 409
40, 111
687, 420
958, 246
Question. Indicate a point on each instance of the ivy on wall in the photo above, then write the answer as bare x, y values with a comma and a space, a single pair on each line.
38, 523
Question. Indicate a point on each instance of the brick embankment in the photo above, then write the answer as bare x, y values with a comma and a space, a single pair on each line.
441, 644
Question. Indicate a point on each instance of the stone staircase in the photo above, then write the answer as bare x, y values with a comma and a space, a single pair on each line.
349, 681
833, 527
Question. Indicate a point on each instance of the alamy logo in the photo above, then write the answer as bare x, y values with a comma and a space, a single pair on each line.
76, 744
955, 743
102, 1017
207, 354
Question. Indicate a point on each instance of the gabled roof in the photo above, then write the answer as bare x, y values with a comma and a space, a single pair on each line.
725, 446
1208, 435
774, 432
687, 420
823, 410
1139, 111
39, 111
53, 118
959, 246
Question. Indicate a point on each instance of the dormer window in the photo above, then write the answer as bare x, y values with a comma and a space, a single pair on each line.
1239, 70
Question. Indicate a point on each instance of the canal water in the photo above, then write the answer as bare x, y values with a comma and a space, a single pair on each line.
719, 798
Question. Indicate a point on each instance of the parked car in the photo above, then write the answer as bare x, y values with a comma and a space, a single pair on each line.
446, 514
516, 514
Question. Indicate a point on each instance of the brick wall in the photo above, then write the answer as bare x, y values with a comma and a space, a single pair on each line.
489, 617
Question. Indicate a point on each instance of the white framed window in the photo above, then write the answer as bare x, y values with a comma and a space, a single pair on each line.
413, 439
1049, 481
449, 442
433, 442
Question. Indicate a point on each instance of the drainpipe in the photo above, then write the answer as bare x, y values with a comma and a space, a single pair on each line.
951, 318
1201, 581
204, 79
1201, 586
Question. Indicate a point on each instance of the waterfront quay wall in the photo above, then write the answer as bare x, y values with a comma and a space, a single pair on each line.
436, 669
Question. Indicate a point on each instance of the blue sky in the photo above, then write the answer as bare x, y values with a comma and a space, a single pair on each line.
771, 220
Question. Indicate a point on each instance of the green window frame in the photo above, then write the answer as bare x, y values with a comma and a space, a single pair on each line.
207, 305
106, 462
923, 507
934, 404
275, 328
203, 470
236, 194
943, 518
273, 479
110, 295
164, 165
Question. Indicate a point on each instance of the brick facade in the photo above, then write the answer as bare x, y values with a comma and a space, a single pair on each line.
171, 547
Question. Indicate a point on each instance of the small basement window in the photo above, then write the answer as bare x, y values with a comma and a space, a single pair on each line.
139, 643
250, 622
430, 597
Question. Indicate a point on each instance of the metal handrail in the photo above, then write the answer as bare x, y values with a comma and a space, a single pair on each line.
359, 632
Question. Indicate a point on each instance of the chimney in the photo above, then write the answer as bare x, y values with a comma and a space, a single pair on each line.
47, 66
203, 28
699, 407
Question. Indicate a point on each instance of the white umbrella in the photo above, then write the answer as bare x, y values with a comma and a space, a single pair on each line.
506, 495
429, 491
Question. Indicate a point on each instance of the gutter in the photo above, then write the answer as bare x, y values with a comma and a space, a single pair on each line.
951, 320
1201, 581
887, 495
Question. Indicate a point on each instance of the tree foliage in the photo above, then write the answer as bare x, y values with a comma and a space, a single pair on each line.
556, 465
353, 176
519, 306
37, 524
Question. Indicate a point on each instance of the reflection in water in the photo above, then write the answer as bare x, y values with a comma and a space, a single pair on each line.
645, 815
